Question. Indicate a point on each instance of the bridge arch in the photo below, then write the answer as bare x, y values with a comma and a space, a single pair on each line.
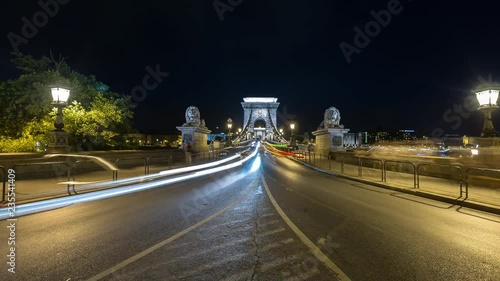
259, 119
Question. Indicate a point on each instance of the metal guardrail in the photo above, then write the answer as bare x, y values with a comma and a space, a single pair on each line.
402, 162
48, 163
71, 169
416, 171
475, 169
146, 169
148, 163
460, 175
115, 172
371, 159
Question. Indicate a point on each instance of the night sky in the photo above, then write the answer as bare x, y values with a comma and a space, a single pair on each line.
425, 60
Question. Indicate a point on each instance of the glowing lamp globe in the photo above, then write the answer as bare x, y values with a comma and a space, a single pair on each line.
487, 98
59, 95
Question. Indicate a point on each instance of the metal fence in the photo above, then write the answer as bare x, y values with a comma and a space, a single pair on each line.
66, 172
411, 174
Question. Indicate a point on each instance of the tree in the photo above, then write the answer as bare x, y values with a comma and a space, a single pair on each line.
94, 114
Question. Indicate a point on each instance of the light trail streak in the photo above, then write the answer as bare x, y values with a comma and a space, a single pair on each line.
35, 207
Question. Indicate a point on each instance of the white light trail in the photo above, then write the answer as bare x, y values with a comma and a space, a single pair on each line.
147, 177
35, 207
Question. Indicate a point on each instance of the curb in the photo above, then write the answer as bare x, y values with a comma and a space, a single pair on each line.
455, 201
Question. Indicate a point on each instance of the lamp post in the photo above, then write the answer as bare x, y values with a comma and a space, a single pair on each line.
58, 138
487, 98
229, 126
292, 140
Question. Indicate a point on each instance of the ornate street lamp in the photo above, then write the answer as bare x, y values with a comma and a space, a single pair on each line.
292, 140
58, 138
487, 98
229, 126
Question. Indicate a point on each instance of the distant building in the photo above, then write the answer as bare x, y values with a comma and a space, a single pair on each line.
406, 135
379, 137
142, 139
350, 140
356, 139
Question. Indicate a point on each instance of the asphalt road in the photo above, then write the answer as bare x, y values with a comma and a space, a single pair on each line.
225, 227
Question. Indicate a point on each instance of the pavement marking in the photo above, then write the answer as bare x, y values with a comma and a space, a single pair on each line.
218, 247
209, 266
226, 223
304, 275
312, 247
267, 215
277, 262
276, 244
268, 223
271, 232
172, 238
239, 276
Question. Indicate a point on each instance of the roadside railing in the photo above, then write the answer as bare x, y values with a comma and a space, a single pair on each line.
489, 174
54, 166
144, 159
401, 162
441, 178
148, 162
457, 168
65, 173
76, 163
371, 159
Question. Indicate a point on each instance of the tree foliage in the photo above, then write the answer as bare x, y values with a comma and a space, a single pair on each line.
94, 114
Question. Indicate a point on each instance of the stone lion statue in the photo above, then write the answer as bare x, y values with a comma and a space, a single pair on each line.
331, 119
192, 116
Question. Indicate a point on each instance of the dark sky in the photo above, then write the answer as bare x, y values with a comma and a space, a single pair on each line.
413, 71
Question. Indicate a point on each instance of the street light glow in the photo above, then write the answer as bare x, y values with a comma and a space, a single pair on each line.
60, 95
487, 98
292, 126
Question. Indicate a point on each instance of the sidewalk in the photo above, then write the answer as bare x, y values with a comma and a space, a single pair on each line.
481, 197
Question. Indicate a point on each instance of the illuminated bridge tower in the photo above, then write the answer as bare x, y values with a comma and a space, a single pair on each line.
259, 120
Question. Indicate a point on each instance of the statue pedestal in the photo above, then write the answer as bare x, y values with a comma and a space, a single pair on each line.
197, 136
58, 142
330, 139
